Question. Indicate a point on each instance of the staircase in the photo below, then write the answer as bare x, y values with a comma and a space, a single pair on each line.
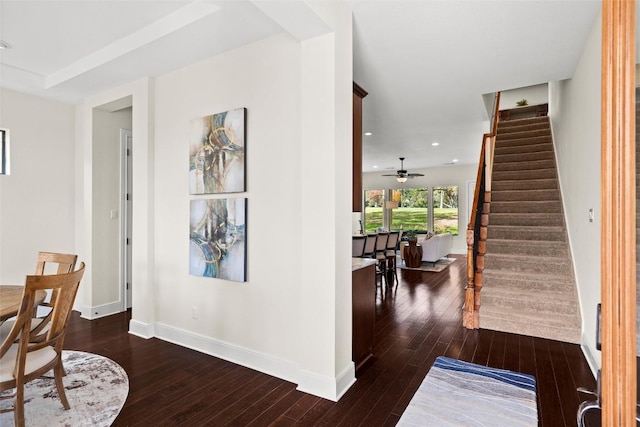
529, 284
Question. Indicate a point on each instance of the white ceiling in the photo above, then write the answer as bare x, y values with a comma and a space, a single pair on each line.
426, 64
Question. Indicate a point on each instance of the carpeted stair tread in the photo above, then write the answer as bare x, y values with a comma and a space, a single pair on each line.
547, 303
521, 127
518, 142
560, 327
524, 174
519, 207
527, 247
503, 149
524, 166
528, 264
530, 195
522, 122
527, 219
523, 157
523, 133
521, 280
524, 184
550, 233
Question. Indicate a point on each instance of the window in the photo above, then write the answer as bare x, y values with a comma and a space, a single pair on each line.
373, 210
4, 152
412, 212
445, 210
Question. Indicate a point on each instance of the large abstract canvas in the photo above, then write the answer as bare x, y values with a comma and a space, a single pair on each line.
217, 153
217, 246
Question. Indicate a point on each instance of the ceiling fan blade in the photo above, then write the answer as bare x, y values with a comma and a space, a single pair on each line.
411, 175
390, 175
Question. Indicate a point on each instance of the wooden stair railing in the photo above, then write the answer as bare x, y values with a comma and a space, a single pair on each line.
477, 228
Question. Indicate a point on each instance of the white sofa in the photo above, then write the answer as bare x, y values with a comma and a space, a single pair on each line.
436, 247
433, 248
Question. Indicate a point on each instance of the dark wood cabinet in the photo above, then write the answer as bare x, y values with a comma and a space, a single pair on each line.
363, 296
358, 94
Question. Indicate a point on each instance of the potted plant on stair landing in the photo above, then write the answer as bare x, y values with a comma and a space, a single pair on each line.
413, 251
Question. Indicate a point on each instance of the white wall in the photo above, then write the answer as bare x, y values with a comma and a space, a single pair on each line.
433, 177
575, 118
37, 199
106, 200
537, 94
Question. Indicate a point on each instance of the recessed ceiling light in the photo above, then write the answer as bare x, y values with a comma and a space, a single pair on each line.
4, 45
368, 133
454, 160
435, 144
375, 166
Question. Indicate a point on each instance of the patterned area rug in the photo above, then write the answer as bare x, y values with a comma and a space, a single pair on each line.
96, 388
456, 393
436, 267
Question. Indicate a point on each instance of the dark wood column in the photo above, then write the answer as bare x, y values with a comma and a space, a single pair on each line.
358, 94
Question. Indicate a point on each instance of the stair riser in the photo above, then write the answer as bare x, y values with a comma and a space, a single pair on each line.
523, 157
516, 233
523, 175
521, 184
529, 265
522, 248
554, 306
532, 329
504, 130
524, 166
520, 149
527, 220
537, 283
522, 133
522, 142
516, 207
531, 195
522, 122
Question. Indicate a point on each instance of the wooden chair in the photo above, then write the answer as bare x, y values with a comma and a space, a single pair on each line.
370, 245
21, 360
59, 263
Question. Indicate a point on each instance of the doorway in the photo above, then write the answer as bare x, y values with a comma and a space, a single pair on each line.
126, 195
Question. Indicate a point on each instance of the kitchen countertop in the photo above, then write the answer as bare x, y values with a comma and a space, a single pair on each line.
358, 263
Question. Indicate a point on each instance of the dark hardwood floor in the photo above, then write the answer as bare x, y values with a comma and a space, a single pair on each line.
418, 321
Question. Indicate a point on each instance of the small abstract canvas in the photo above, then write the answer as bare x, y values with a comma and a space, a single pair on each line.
217, 153
217, 246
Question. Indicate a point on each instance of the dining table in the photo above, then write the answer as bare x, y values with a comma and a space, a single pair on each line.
11, 299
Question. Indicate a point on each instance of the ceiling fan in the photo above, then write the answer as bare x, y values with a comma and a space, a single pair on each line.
402, 175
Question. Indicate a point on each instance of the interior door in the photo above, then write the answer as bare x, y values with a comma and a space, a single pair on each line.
126, 142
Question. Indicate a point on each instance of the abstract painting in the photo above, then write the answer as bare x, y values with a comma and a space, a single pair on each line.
217, 246
217, 153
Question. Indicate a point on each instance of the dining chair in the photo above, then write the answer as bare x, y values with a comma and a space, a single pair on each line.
357, 246
22, 360
392, 243
381, 255
47, 262
370, 245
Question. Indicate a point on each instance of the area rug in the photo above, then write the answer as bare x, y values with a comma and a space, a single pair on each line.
456, 393
436, 267
96, 388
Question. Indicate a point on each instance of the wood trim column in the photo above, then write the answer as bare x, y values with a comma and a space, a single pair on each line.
618, 214
358, 94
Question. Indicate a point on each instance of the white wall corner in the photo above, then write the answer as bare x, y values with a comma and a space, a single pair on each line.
325, 386
95, 312
280, 368
141, 329
592, 359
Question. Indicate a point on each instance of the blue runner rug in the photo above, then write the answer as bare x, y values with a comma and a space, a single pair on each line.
456, 393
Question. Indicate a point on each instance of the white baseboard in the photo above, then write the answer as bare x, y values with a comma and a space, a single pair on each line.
325, 386
142, 330
98, 311
270, 365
